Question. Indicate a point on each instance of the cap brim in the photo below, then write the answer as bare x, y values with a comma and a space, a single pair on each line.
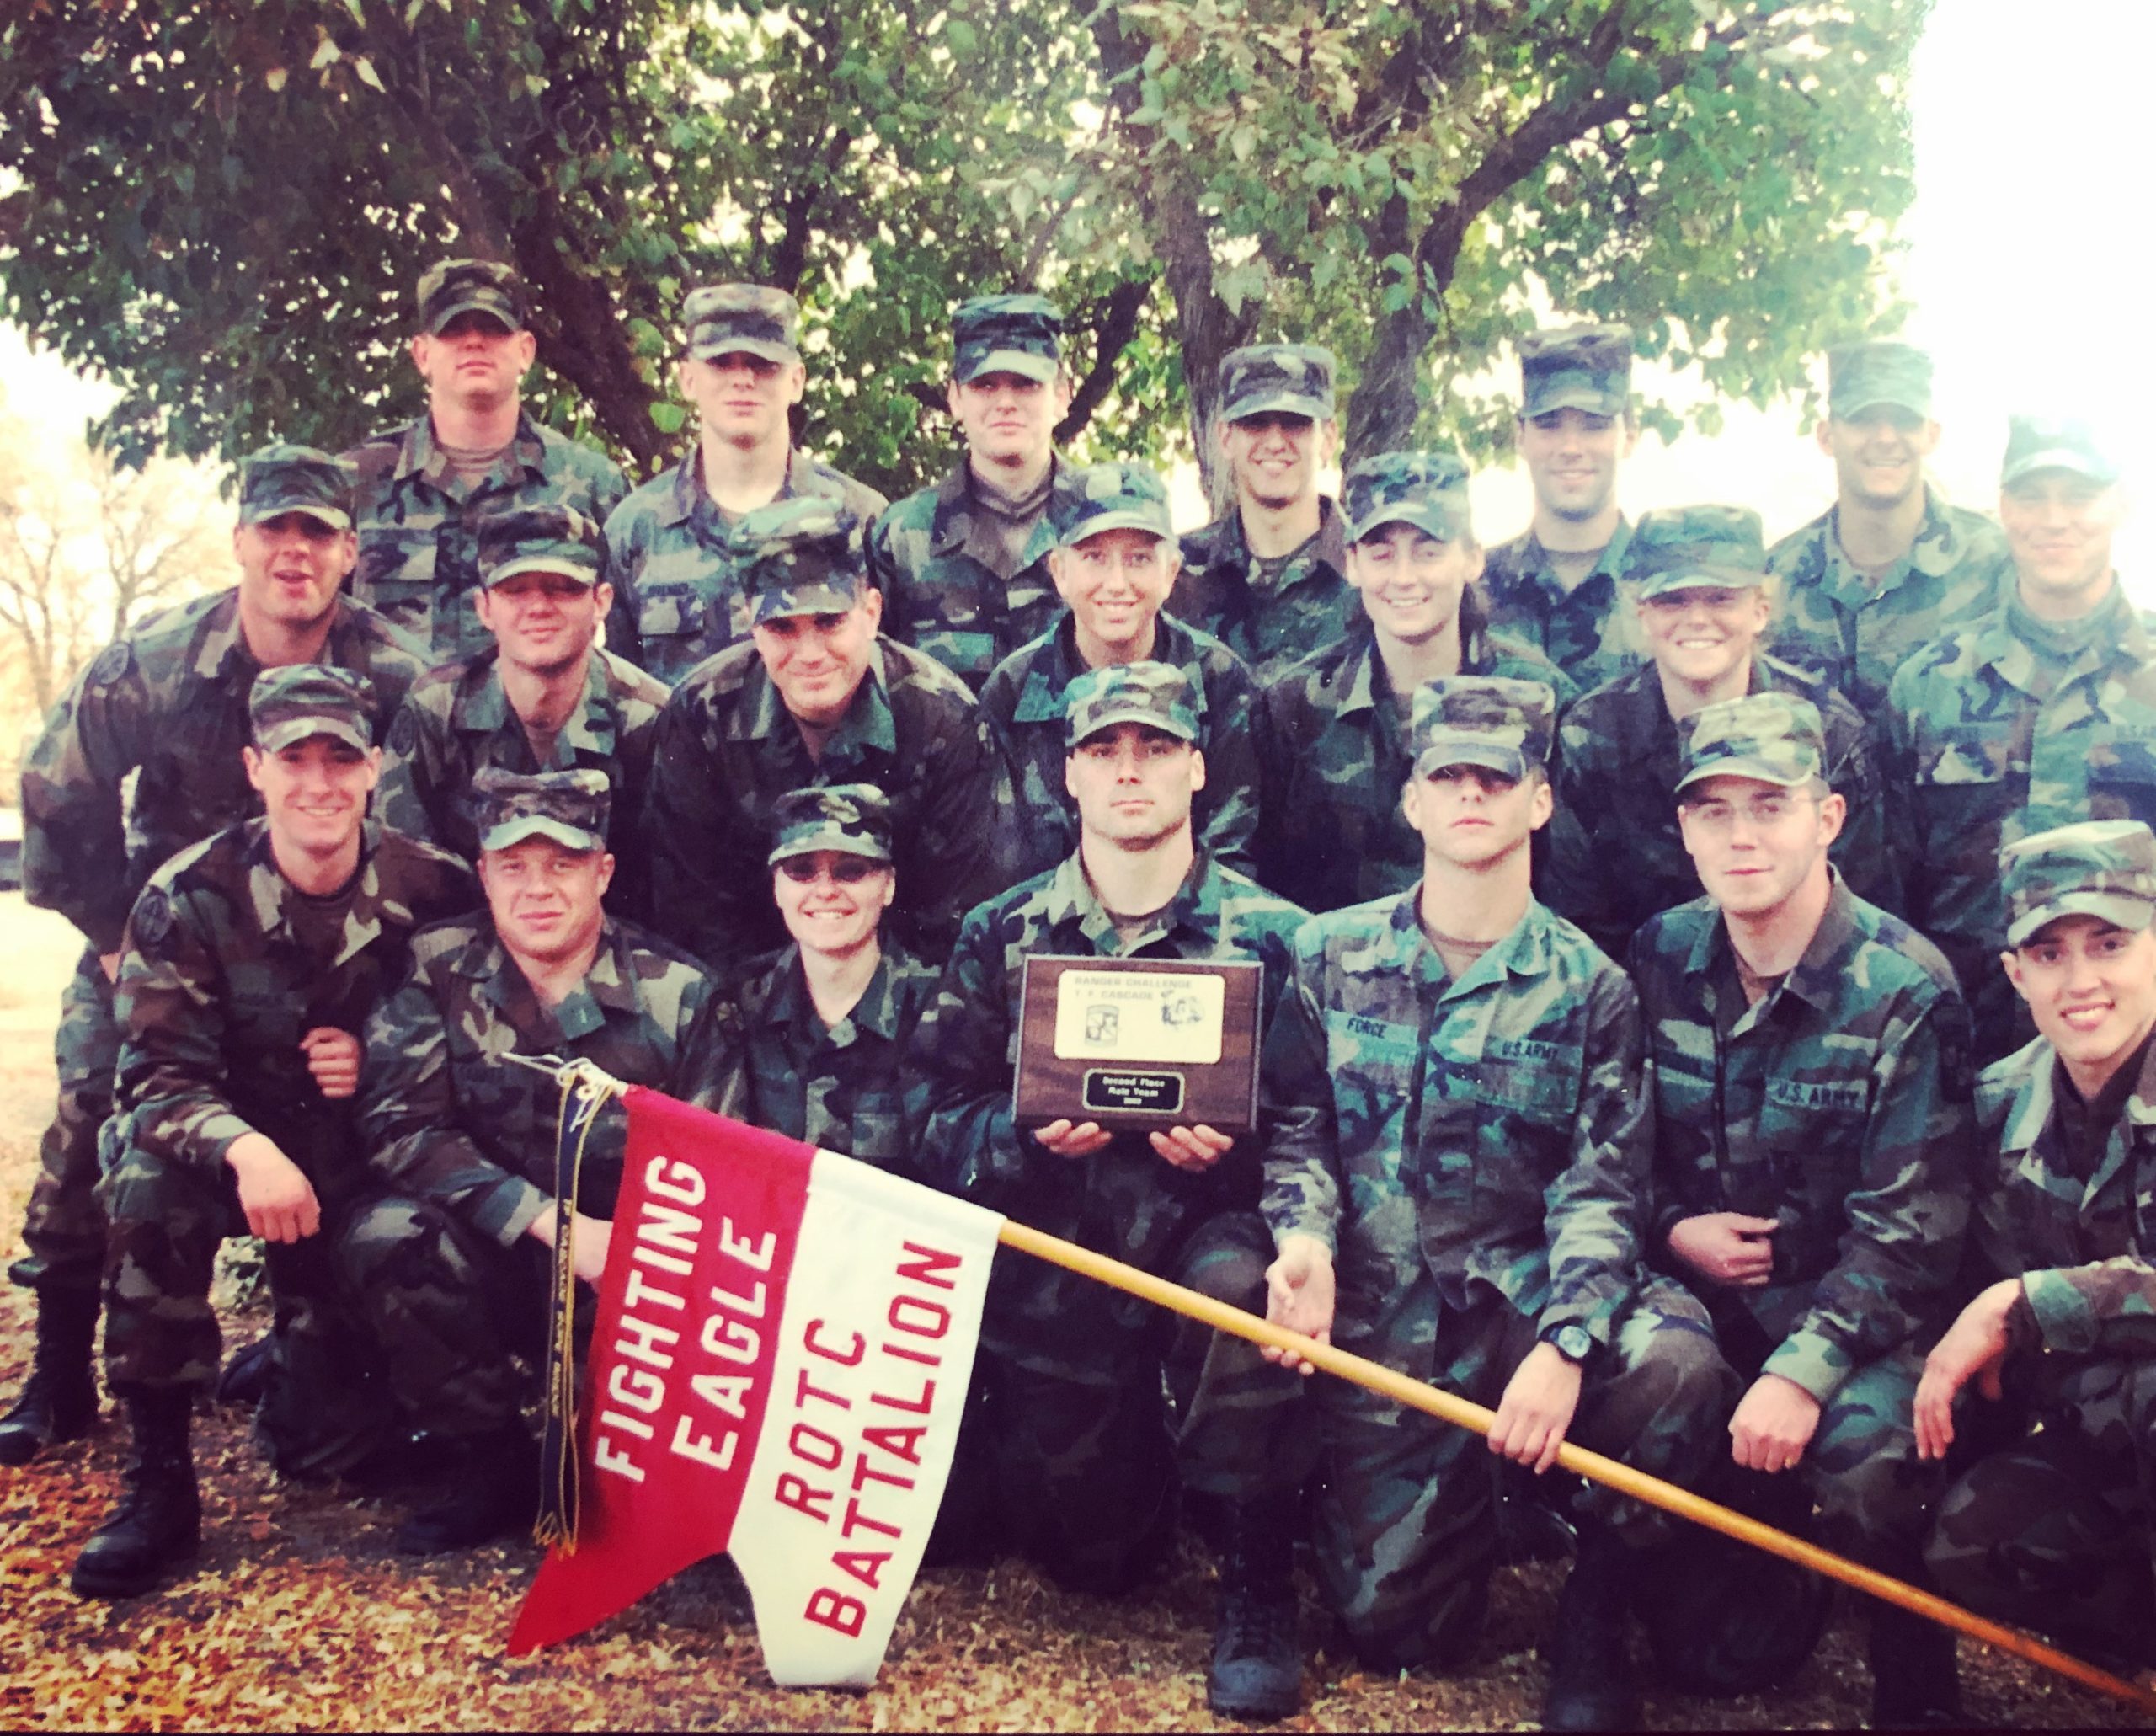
2067, 458
2121, 909
840, 841
1027, 364
1442, 755
712, 347
1153, 524
1576, 398
1134, 714
494, 309
807, 599
1702, 578
1841, 412
1273, 403
335, 517
512, 832
1431, 521
539, 564
280, 736
1758, 770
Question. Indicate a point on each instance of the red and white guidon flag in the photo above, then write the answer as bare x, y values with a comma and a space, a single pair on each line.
783, 1346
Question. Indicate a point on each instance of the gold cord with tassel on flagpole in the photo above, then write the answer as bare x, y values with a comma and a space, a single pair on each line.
586, 1088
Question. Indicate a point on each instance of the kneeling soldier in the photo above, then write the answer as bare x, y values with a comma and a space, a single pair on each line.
455, 1271
1083, 1454
250, 962
1811, 1064
1457, 1125
829, 1022
2056, 1531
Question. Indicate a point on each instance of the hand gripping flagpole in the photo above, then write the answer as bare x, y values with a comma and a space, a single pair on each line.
586, 1088
1451, 1408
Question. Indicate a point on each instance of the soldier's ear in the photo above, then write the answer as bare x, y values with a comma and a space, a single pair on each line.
1834, 816
872, 604
2012, 960
1542, 803
374, 766
602, 599
1411, 801
250, 757
605, 871
1197, 770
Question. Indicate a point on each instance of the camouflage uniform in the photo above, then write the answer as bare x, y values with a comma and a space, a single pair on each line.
466, 1139
1334, 834
1616, 857
728, 749
939, 596
1074, 1367
2054, 1531
1476, 1153
166, 704
1269, 618
457, 718
1845, 628
1023, 701
2009, 726
1838, 1105
1589, 631
842, 1087
418, 557
226, 967
668, 547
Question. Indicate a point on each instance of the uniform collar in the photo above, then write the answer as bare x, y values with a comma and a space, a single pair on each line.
610, 986
1999, 647
480, 705
275, 899
1053, 664
1195, 909
1533, 568
689, 498
952, 522
1229, 551
419, 453
1527, 951
1819, 976
221, 650
789, 1006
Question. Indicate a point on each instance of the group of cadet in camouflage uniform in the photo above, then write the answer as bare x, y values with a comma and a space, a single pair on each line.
1636, 907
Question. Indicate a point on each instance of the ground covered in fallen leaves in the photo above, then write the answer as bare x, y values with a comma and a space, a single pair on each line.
302, 1618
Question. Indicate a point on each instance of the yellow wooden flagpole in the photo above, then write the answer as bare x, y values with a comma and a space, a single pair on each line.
1452, 1409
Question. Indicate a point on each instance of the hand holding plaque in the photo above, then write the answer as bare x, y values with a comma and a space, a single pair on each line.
1139, 1044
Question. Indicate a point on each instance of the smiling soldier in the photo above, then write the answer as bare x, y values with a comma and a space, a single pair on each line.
1558, 585
1268, 578
1810, 1059
668, 546
1704, 597
1890, 566
474, 451
1113, 565
166, 705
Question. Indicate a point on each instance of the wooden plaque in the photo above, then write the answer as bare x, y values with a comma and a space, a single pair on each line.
1138, 1044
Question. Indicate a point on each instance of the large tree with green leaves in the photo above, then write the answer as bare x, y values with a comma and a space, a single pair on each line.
225, 208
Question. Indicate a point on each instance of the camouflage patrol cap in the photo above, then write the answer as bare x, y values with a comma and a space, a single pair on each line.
1115, 497
277, 479
1293, 378
458, 287
1775, 738
546, 538
1675, 548
1007, 334
724, 319
799, 556
1500, 724
1155, 694
1576, 367
1428, 490
2095, 868
2034, 443
569, 807
854, 817
295, 700
1884, 371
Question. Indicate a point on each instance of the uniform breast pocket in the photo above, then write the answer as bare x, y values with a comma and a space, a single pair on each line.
1968, 788
2122, 773
969, 656
395, 575
1811, 1134
1526, 1111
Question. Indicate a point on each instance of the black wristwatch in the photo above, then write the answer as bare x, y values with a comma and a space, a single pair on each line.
1573, 1343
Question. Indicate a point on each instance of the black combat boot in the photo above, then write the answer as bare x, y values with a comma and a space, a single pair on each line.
158, 1521
492, 1490
59, 1400
1916, 1681
1258, 1663
1590, 1654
